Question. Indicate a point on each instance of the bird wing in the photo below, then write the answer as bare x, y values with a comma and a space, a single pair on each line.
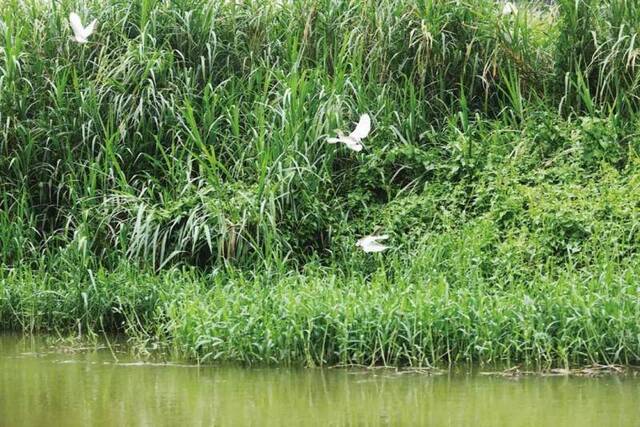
334, 140
363, 241
89, 29
376, 247
367, 240
76, 24
363, 128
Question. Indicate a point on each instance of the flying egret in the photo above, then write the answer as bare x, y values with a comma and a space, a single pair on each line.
509, 9
371, 244
81, 34
353, 141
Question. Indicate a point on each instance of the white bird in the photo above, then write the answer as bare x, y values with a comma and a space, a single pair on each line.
81, 34
353, 141
509, 9
371, 244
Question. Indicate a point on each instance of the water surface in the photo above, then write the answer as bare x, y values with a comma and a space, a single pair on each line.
45, 385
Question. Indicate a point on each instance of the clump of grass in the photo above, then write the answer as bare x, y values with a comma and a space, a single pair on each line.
421, 313
174, 170
598, 56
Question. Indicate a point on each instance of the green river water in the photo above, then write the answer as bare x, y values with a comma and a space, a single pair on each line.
47, 385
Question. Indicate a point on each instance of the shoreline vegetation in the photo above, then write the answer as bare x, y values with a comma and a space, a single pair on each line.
169, 178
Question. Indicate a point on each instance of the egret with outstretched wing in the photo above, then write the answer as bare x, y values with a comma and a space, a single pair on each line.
80, 33
371, 244
353, 141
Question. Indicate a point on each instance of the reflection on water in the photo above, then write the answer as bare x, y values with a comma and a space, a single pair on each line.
43, 388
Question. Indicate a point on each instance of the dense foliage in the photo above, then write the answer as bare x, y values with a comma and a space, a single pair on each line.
171, 179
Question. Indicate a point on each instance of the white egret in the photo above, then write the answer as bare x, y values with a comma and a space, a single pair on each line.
353, 141
371, 244
81, 33
509, 9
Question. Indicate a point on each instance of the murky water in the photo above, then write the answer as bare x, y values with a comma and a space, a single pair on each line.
42, 385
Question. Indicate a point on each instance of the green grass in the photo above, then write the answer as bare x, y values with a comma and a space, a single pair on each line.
170, 179
416, 314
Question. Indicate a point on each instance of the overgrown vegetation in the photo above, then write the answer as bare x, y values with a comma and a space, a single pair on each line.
170, 179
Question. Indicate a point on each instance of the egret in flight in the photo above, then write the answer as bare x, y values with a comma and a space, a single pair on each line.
371, 244
81, 34
353, 141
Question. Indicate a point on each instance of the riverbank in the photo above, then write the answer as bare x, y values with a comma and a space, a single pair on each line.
419, 317
171, 179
